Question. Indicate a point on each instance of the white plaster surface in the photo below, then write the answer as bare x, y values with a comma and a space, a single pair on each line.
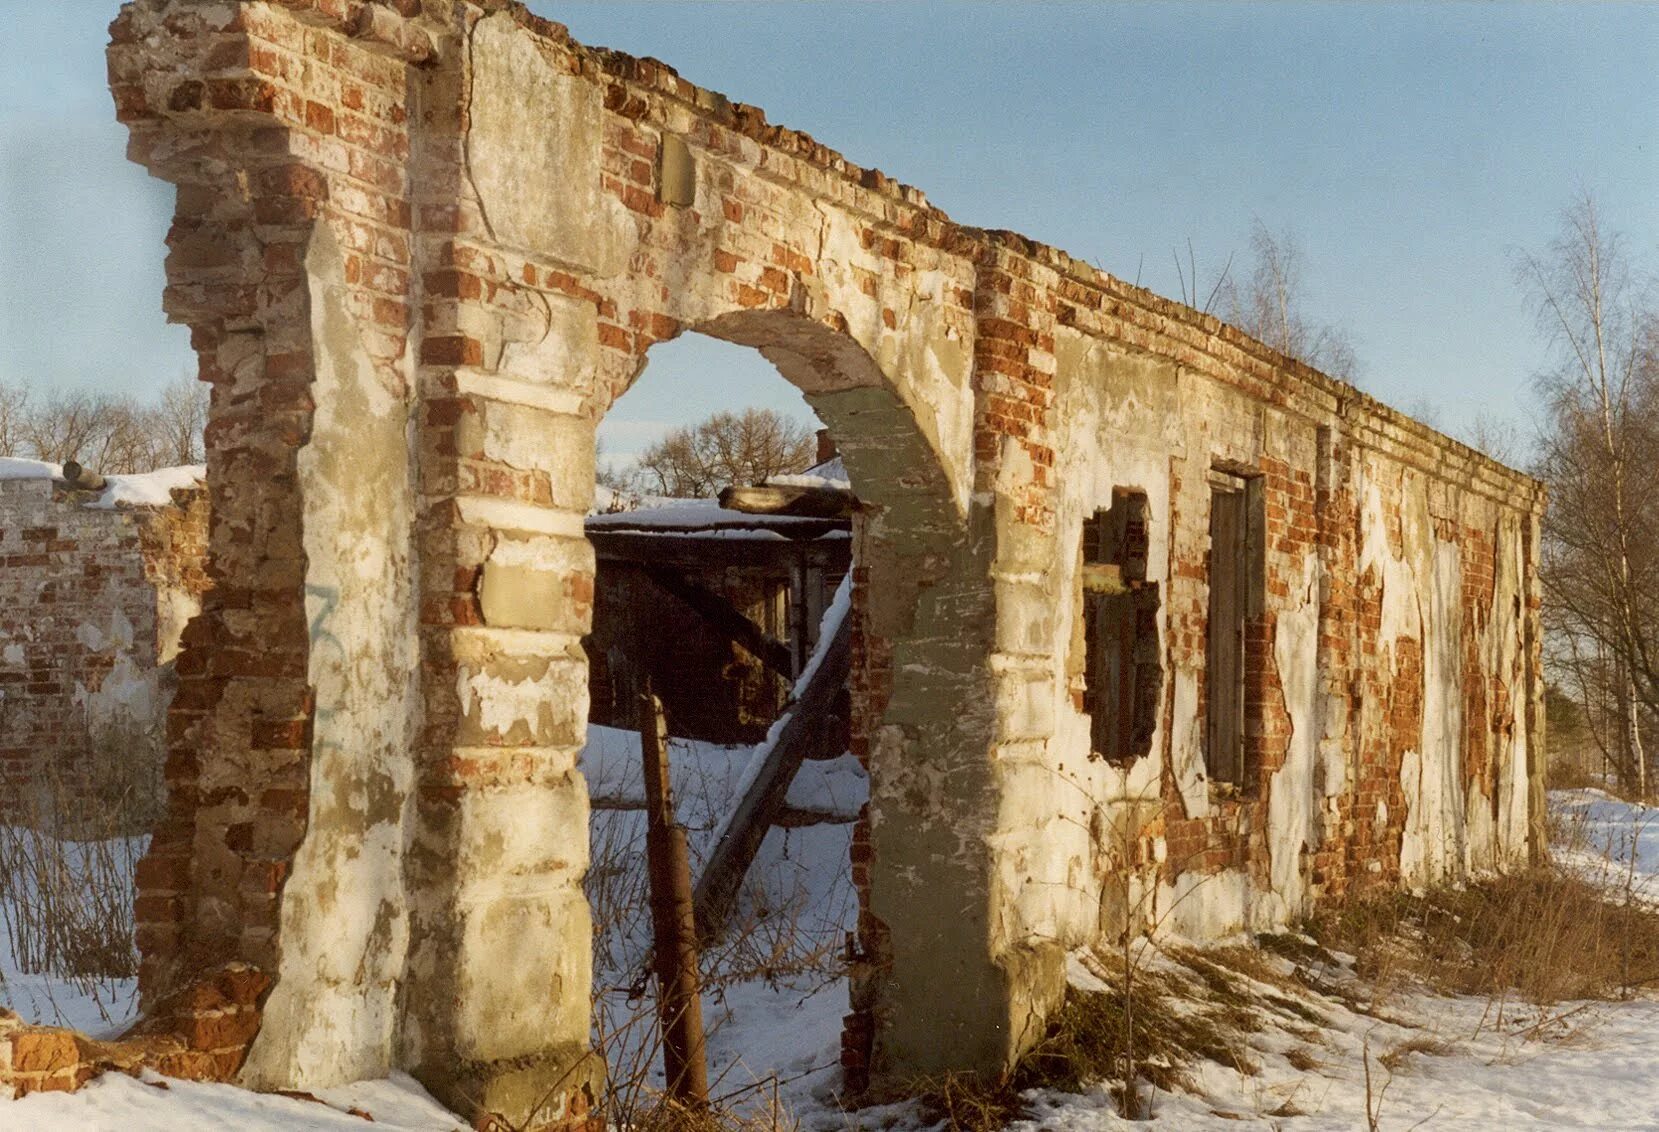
1290, 796
330, 1017
534, 149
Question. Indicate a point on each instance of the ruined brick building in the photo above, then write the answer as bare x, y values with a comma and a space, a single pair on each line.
95, 591
717, 608
1155, 626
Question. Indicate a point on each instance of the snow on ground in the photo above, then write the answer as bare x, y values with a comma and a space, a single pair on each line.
707, 779
1607, 838
100, 1007
1491, 1065
777, 991
1502, 1065
1598, 1068
116, 1103
837, 787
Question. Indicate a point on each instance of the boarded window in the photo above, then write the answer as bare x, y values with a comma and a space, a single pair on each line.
1122, 673
1235, 576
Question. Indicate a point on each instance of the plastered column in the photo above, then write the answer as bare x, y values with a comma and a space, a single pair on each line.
496, 1004
497, 1001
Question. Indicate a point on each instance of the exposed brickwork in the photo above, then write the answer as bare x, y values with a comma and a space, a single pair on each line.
200, 1034
92, 601
502, 275
1381, 701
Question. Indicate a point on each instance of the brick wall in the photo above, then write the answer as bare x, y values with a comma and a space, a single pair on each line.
456, 213
92, 604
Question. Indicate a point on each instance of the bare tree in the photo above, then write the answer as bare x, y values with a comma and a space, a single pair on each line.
1424, 409
1188, 276
107, 432
179, 419
99, 430
1268, 306
1600, 560
14, 410
1497, 437
727, 448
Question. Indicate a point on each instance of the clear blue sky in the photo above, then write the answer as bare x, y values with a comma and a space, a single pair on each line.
1407, 147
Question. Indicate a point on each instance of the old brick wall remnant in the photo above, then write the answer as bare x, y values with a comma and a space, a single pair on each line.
95, 590
422, 245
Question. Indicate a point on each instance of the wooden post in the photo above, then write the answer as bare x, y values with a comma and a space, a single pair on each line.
673, 918
797, 615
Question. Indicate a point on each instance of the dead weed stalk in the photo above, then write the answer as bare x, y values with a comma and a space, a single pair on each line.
1544, 934
67, 855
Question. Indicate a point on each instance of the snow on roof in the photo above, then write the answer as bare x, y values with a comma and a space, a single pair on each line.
831, 473
149, 489
659, 515
145, 489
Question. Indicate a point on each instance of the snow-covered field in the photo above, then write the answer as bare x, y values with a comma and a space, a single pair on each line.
1480, 1065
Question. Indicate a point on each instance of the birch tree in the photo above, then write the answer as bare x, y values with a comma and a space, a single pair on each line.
1269, 304
1600, 396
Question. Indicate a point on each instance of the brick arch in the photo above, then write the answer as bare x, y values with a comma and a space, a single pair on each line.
892, 459
421, 244
922, 608
375, 803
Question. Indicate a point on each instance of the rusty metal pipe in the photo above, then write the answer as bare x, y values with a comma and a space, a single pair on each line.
83, 479
673, 918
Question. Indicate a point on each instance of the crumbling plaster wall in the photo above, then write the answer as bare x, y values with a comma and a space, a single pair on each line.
345, 921
427, 244
1389, 733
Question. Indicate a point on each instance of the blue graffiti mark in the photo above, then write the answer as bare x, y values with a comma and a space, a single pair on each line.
328, 598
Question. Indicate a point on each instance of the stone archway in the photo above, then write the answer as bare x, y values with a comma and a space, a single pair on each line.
923, 719
421, 246
415, 293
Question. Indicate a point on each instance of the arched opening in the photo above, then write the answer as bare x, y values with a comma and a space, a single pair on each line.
911, 947
711, 593
723, 533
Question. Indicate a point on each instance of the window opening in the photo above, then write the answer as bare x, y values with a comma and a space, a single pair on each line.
1122, 671
1235, 576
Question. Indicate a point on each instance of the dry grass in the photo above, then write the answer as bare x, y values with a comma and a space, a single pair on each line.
663, 1114
967, 1102
775, 936
67, 856
1543, 934
1396, 1056
1144, 1031
1303, 1059
657, 1112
